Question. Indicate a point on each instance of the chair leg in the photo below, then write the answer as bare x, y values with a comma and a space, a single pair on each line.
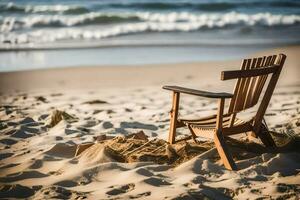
194, 136
224, 152
265, 137
174, 115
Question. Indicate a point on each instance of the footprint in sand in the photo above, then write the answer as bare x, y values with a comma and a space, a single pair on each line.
42, 99
15, 191
66, 183
63, 150
58, 192
58, 138
97, 111
22, 175
144, 172
121, 189
90, 124
138, 125
36, 164
156, 182
21, 134
5, 155
9, 165
8, 141
144, 194
70, 131
97, 101
107, 125
25, 131
56, 94
43, 117
3, 126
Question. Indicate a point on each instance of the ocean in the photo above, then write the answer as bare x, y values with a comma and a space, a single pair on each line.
43, 34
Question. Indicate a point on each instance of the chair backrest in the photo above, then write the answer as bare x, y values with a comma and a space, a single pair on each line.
251, 79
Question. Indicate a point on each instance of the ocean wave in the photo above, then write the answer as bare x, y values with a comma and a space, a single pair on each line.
63, 9
213, 6
9, 24
196, 6
151, 23
203, 6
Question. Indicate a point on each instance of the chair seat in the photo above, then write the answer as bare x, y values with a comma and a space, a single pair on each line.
209, 123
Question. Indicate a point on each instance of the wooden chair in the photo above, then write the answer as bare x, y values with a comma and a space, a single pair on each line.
249, 85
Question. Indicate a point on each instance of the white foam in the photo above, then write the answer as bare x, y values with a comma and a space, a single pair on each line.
155, 22
51, 8
209, 20
41, 8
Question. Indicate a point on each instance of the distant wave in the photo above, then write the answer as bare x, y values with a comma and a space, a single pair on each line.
214, 6
11, 23
203, 6
149, 22
164, 21
65, 9
197, 6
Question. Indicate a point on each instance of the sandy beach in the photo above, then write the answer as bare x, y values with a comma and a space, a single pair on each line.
71, 133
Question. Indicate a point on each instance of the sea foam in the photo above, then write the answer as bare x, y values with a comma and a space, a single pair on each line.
208, 20
77, 27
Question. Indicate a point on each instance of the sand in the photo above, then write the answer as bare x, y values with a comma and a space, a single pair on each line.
99, 133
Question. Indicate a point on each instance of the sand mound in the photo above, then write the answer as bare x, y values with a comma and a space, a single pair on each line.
137, 148
57, 116
98, 153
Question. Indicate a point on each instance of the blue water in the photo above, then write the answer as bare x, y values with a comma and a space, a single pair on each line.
100, 27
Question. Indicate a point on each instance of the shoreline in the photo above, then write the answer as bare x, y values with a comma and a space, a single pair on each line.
101, 77
120, 57
134, 44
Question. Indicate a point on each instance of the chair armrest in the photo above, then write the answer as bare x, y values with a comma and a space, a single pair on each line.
198, 92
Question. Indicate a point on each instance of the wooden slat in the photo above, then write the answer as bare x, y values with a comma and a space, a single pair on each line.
241, 94
252, 86
234, 74
273, 60
205, 133
209, 123
262, 80
271, 63
264, 77
236, 88
245, 92
199, 119
205, 121
237, 129
257, 83
226, 123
